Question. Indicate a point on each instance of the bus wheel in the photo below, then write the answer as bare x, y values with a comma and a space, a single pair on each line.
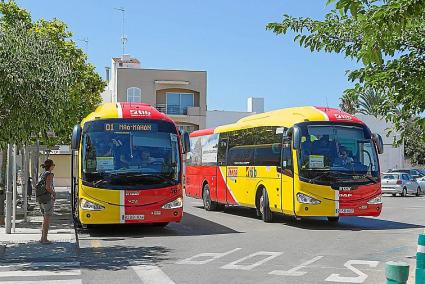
160, 225
333, 219
263, 204
209, 205
220, 207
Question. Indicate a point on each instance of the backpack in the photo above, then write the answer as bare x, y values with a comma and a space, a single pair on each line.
41, 193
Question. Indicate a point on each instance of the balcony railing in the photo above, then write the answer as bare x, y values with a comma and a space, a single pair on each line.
172, 109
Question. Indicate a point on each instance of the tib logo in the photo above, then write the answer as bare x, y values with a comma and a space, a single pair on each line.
139, 112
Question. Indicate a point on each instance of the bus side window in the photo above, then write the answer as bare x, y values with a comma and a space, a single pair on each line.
287, 158
222, 149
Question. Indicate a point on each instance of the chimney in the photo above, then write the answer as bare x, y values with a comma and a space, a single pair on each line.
108, 73
255, 105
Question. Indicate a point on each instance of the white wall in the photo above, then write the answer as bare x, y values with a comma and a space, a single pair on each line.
393, 157
220, 117
255, 105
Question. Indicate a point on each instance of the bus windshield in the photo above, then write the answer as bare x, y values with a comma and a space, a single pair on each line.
118, 154
332, 154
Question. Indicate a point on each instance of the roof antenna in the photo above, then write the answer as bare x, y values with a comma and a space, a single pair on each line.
124, 38
327, 106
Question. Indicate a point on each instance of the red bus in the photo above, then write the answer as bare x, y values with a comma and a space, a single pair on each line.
127, 166
304, 161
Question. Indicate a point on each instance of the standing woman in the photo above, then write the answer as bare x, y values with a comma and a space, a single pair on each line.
47, 198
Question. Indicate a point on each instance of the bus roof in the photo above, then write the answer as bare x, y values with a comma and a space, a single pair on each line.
286, 117
126, 111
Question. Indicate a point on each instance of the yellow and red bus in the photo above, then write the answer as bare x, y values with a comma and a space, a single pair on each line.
302, 161
127, 166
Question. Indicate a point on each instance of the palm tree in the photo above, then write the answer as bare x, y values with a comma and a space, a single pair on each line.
370, 103
349, 102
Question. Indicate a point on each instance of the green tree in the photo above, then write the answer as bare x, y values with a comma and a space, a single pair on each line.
388, 37
34, 83
349, 103
57, 84
414, 148
370, 103
84, 93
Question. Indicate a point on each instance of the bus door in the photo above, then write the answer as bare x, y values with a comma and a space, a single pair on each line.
74, 183
221, 174
287, 174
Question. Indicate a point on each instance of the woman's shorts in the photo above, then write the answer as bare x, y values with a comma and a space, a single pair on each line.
47, 208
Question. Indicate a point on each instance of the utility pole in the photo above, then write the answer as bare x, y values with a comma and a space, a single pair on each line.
124, 38
14, 195
25, 177
8, 190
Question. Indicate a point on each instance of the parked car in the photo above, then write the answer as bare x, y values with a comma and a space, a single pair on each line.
399, 183
416, 173
421, 182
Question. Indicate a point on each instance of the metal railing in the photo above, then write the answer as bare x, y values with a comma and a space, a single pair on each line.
172, 109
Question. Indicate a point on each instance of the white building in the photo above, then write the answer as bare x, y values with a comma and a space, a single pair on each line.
393, 157
220, 117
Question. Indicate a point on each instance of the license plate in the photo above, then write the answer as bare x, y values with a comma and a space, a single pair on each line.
345, 210
134, 217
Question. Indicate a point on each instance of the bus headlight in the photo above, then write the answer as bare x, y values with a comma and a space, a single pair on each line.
88, 205
178, 203
305, 199
376, 200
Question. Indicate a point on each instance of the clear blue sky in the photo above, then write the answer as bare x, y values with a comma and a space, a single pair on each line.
226, 38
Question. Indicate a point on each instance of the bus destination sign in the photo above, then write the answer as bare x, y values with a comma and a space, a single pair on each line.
128, 127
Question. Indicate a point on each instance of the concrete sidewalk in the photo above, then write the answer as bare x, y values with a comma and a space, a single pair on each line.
23, 245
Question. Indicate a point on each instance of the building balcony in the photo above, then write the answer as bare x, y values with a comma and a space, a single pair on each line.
179, 110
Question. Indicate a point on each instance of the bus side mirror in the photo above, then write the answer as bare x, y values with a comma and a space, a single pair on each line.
378, 142
76, 137
186, 142
296, 138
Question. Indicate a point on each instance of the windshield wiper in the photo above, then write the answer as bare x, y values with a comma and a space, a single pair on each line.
100, 181
358, 175
324, 174
161, 177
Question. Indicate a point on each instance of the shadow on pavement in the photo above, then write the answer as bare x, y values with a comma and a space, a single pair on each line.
349, 224
121, 257
36, 252
318, 223
191, 225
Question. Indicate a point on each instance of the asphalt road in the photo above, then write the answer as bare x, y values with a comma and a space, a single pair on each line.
235, 247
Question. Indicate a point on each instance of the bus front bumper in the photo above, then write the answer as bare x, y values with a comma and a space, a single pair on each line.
335, 208
139, 216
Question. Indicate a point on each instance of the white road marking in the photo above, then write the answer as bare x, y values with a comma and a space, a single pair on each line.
38, 273
54, 264
235, 265
211, 256
360, 278
150, 274
294, 271
71, 281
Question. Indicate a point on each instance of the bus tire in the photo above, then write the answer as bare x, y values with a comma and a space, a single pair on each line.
220, 206
209, 205
333, 219
160, 225
266, 213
